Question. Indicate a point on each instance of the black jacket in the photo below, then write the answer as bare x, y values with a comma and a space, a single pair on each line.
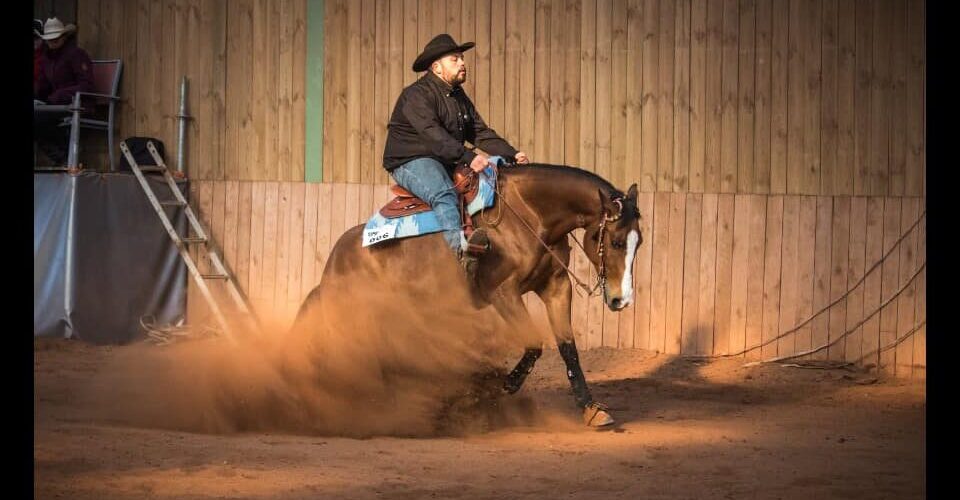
431, 119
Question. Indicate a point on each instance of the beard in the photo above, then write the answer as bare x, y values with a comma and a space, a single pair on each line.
460, 77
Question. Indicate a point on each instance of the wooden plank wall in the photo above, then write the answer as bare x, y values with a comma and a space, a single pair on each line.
815, 97
244, 61
716, 273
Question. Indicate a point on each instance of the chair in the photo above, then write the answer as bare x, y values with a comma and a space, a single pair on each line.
105, 96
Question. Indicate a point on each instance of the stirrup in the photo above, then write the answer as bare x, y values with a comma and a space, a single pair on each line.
479, 243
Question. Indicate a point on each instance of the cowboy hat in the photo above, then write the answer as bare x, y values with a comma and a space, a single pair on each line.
440, 46
54, 29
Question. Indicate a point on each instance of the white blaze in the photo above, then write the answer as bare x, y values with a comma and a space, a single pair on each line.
626, 284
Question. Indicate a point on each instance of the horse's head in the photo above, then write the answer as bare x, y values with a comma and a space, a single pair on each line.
612, 245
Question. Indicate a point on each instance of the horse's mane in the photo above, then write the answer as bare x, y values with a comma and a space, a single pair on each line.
569, 170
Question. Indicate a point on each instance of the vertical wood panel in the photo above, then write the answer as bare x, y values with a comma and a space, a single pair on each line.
310, 228
527, 28
571, 83
755, 281
855, 268
746, 99
604, 69
541, 92
810, 174
674, 278
588, 85
878, 180
840, 251
665, 96
780, 70
789, 276
690, 323
646, 108
920, 337
708, 275
829, 88
726, 222
496, 117
915, 103
353, 123
771, 274
862, 96
713, 99
335, 92
681, 102
698, 102
845, 166
890, 271
906, 306
762, 116
813, 277
624, 99
729, 102
282, 243
643, 273
660, 243
871, 292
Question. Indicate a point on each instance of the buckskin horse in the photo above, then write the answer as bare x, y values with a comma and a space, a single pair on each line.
529, 252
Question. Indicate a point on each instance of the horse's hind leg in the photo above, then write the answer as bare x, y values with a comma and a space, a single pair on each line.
524, 367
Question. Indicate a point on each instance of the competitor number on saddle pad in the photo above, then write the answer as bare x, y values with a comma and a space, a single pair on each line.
378, 234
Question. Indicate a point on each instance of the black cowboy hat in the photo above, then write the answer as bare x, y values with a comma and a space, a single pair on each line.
440, 46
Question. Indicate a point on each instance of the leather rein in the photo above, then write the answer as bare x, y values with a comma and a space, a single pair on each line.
601, 281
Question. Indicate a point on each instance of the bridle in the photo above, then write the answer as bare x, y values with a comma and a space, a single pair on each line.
605, 218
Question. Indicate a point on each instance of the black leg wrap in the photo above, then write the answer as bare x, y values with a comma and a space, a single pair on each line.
579, 384
524, 367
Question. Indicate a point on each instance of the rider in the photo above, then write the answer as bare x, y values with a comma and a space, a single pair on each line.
425, 140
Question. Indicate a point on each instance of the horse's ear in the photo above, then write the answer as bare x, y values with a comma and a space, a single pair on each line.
632, 192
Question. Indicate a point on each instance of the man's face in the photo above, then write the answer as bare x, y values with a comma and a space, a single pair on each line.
56, 43
451, 68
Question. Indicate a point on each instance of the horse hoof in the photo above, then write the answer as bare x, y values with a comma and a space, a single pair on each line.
596, 415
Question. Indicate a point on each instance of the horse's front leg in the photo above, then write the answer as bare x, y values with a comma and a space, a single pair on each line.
508, 302
557, 295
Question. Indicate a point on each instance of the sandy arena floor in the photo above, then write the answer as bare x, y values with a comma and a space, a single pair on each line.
685, 430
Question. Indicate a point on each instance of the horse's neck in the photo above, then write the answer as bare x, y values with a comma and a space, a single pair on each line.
561, 201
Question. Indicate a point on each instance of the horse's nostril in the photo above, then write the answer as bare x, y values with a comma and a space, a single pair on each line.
615, 303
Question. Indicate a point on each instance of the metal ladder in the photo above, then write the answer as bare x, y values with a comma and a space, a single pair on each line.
183, 243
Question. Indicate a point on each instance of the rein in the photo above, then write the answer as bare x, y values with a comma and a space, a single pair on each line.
601, 282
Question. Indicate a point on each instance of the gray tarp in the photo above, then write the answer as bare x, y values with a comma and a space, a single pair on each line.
101, 258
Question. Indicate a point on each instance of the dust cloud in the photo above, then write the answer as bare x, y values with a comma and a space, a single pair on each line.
410, 361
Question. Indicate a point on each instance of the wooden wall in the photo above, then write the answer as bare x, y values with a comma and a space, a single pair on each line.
244, 60
717, 273
812, 97
815, 97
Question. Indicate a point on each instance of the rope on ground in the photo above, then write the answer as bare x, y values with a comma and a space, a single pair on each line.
166, 335
842, 297
858, 325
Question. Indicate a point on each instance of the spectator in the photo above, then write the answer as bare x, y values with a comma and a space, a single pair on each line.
65, 69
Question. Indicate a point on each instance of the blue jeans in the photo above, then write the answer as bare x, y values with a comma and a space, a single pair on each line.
428, 180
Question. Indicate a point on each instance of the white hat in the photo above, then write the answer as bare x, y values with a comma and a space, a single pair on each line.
54, 29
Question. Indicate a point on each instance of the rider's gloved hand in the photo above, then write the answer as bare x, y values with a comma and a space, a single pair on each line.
522, 158
479, 162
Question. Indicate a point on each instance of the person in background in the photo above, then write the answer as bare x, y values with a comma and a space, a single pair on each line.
64, 69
